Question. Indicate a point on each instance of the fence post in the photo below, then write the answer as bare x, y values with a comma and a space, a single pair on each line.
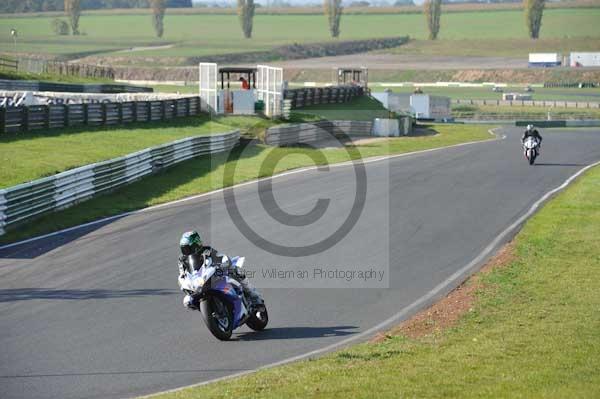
65, 108
2, 120
85, 114
103, 108
163, 110
187, 106
175, 108
47, 116
134, 112
120, 110
24, 119
149, 109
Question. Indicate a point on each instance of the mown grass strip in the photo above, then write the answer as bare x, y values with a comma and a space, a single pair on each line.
205, 174
30, 156
533, 331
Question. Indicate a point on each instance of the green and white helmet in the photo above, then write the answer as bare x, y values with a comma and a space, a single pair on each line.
190, 242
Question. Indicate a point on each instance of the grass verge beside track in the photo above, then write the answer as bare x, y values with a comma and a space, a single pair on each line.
360, 109
516, 112
486, 93
30, 156
205, 174
10, 75
532, 331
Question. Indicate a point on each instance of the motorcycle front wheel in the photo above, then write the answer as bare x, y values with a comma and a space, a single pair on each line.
258, 320
217, 317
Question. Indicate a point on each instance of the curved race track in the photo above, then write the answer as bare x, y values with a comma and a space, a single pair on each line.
95, 313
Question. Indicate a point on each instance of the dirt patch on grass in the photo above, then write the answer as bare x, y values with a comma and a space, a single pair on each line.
446, 312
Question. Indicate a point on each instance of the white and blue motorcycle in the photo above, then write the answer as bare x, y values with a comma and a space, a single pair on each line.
531, 147
222, 301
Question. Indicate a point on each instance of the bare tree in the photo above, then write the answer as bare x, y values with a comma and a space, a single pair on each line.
158, 14
245, 9
73, 11
333, 10
533, 16
433, 11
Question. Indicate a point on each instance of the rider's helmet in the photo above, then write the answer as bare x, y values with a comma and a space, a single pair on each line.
190, 243
529, 128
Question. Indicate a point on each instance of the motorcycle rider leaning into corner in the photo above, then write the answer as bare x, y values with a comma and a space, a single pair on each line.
191, 245
530, 131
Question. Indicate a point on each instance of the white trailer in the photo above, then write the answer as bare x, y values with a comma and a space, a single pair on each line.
544, 60
396, 102
425, 106
585, 59
422, 106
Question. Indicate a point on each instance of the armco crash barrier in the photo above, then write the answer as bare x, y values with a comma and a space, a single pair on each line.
307, 96
309, 132
27, 118
542, 123
25, 201
30, 85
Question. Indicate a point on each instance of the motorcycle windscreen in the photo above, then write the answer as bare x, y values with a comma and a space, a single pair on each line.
195, 261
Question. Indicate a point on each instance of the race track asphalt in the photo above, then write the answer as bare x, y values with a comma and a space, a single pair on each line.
96, 312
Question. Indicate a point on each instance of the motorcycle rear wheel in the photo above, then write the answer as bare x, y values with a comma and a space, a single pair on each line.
217, 317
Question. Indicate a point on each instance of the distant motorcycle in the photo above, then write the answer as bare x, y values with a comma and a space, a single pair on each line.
223, 305
531, 147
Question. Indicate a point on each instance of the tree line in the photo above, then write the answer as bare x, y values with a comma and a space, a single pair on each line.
534, 10
432, 9
21, 6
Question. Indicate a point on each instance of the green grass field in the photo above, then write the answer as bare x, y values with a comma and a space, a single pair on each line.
30, 156
486, 93
205, 174
361, 109
536, 113
533, 331
511, 46
197, 35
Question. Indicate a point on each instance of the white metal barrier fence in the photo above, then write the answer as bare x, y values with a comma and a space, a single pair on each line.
530, 103
25, 201
309, 132
208, 85
269, 89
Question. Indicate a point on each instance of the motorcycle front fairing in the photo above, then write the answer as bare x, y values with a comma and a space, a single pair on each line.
530, 143
230, 290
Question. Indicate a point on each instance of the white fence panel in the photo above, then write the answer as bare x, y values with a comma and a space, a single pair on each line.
208, 84
269, 89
